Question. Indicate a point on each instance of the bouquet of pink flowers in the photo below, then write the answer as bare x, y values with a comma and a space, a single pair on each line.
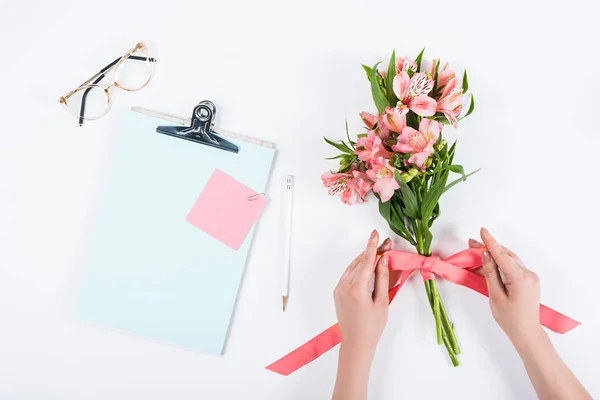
403, 159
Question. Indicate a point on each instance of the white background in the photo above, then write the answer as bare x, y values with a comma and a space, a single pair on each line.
290, 73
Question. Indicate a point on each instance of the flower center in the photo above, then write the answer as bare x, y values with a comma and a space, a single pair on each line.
419, 142
383, 173
337, 187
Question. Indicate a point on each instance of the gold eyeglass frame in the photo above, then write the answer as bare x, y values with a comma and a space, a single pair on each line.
109, 71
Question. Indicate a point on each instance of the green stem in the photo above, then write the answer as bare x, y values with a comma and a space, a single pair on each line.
449, 327
428, 290
443, 326
436, 314
451, 352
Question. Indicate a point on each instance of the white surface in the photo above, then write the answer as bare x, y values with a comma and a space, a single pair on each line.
290, 73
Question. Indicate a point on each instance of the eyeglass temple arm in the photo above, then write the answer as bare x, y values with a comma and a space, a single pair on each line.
98, 77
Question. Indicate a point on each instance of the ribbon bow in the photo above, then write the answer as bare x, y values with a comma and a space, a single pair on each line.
455, 269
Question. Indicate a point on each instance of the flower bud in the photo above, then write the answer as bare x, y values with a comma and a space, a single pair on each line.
406, 177
414, 171
428, 162
410, 174
441, 145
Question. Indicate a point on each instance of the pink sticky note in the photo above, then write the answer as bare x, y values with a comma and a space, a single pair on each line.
224, 211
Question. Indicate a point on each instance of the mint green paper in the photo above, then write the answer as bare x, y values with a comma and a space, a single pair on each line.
149, 272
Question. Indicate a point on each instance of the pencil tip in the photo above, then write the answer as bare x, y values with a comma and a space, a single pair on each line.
284, 300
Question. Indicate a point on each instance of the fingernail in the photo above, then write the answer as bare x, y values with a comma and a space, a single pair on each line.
386, 241
474, 241
373, 233
485, 257
483, 230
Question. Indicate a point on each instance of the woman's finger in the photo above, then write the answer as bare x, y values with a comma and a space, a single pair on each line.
365, 269
382, 281
501, 257
385, 246
492, 277
475, 244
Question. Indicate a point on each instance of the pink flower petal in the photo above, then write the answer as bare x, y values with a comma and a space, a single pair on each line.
400, 85
385, 188
368, 119
430, 128
420, 84
419, 158
395, 118
424, 106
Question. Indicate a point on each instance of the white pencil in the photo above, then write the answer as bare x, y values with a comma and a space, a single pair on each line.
287, 238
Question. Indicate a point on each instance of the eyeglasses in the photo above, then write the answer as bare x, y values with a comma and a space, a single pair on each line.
132, 72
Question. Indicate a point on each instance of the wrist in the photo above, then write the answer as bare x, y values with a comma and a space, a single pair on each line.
530, 341
357, 353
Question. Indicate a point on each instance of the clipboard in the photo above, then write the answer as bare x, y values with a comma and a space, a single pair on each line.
149, 272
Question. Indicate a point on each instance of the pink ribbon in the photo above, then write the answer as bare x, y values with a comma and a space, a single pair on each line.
455, 269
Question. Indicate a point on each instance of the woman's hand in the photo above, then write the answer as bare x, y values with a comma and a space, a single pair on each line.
514, 300
362, 314
515, 303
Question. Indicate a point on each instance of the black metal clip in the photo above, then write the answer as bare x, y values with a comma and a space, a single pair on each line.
200, 130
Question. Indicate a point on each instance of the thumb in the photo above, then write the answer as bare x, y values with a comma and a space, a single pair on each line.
492, 277
382, 281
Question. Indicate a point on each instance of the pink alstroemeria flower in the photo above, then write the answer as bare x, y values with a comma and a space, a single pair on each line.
377, 123
382, 174
395, 118
363, 184
370, 147
444, 73
420, 142
412, 93
368, 119
350, 187
404, 64
450, 101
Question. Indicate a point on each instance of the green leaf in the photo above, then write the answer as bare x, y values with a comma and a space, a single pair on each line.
336, 157
391, 73
432, 196
435, 214
412, 120
340, 146
384, 208
394, 221
348, 136
459, 180
408, 197
441, 118
452, 151
435, 77
444, 151
419, 59
397, 221
361, 135
471, 108
367, 70
378, 97
398, 161
465, 82
458, 169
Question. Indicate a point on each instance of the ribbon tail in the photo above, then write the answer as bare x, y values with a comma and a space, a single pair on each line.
556, 321
308, 352
324, 341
